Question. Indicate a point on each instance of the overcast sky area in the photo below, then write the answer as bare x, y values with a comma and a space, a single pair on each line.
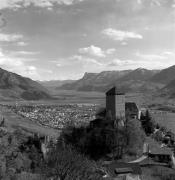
63, 39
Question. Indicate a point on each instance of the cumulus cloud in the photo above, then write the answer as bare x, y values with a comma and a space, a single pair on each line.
96, 51
15, 4
92, 50
119, 35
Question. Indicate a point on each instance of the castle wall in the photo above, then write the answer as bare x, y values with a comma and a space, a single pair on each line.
110, 105
116, 105
120, 106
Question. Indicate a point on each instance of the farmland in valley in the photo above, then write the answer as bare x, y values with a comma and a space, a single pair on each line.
165, 119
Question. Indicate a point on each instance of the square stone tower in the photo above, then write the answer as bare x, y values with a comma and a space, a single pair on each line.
115, 104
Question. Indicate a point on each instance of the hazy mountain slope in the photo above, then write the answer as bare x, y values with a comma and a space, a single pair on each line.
137, 81
128, 80
15, 86
55, 83
139, 74
165, 76
169, 90
95, 81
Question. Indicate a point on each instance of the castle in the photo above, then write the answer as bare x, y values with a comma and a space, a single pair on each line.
117, 110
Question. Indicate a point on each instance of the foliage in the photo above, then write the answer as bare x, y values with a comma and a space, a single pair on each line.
147, 123
135, 136
65, 163
100, 141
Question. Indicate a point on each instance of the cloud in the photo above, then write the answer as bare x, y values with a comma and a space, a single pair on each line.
168, 53
92, 50
21, 43
16, 4
2, 21
119, 35
18, 65
134, 63
110, 51
83, 59
120, 62
96, 51
10, 37
77, 60
151, 56
156, 60
16, 53
124, 43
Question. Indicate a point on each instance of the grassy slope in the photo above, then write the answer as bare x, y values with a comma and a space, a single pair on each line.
14, 121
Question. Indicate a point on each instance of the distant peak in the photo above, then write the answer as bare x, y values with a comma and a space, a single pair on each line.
141, 69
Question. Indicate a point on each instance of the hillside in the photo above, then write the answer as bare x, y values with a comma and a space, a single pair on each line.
165, 76
95, 81
137, 81
14, 86
128, 80
169, 90
55, 83
139, 74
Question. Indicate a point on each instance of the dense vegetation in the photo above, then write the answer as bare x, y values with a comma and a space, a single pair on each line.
99, 142
65, 163
147, 123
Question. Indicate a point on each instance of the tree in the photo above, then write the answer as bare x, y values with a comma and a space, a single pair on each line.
134, 136
65, 163
147, 123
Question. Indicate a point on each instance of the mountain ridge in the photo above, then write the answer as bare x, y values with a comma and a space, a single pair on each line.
15, 86
125, 80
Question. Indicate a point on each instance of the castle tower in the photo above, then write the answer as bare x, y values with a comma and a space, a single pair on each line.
115, 104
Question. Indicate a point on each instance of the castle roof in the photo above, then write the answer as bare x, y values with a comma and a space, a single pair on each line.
114, 91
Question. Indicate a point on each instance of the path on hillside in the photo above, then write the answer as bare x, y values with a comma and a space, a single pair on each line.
13, 121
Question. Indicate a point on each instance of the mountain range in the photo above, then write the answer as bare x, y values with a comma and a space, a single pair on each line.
14, 86
138, 80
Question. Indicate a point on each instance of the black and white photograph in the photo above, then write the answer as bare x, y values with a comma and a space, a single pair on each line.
87, 89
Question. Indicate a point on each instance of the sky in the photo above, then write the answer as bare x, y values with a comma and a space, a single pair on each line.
63, 39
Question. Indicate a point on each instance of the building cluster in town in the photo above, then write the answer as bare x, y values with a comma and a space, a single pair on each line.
57, 116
